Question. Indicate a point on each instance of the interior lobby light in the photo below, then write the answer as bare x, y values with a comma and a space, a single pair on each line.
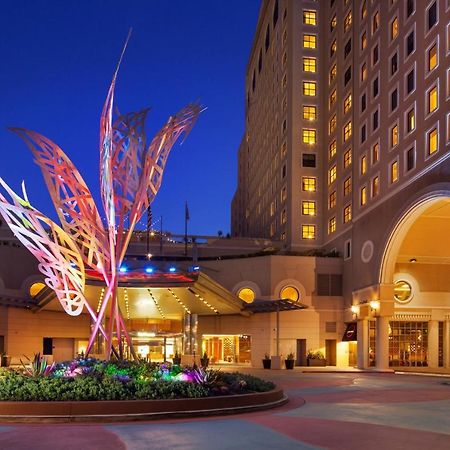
149, 269
172, 269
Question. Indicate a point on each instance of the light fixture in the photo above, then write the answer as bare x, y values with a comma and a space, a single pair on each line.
149, 269
355, 311
196, 268
172, 269
413, 260
149, 256
375, 306
122, 269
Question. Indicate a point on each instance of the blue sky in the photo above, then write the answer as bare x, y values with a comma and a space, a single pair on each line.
57, 60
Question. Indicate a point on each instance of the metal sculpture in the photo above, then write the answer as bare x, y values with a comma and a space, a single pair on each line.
130, 177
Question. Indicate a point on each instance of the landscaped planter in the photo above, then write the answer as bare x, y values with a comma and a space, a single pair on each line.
289, 363
316, 362
266, 363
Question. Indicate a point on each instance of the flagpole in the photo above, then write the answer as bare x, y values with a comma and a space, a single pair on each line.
186, 218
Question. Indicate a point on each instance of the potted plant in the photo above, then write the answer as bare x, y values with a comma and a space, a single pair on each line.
176, 359
316, 359
5, 360
289, 361
267, 362
204, 360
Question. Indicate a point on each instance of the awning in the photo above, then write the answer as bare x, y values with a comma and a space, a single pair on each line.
351, 332
267, 306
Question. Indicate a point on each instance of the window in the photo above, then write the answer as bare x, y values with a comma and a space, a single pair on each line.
247, 295
363, 165
375, 152
394, 136
283, 194
347, 213
309, 64
394, 63
375, 55
363, 196
410, 120
332, 99
375, 87
308, 232
347, 103
309, 88
363, 41
283, 217
363, 10
394, 99
309, 184
432, 16
267, 38
332, 225
309, 112
410, 43
332, 200
309, 160
332, 174
363, 134
347, 75
363, 72
432, 141
347, 186
309, 136
333, 23
410, 159
394, 171
375, 22
347, 158
410, 7
290, 293
347, 131
363, 102
283, 171
309, 41
432, 58
309, 17
394, 28
332, 149
348, 21
432, 99
375, 186
309, 208
375, 120
332, 124
410, 81
333, 73
347, 48
333, 48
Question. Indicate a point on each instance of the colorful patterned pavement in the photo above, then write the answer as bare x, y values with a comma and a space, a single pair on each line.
326, 410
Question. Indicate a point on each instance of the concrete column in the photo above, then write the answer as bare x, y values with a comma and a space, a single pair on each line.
433, 343
382, 341
363, 343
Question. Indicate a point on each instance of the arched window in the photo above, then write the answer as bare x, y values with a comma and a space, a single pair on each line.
290, 293
35, 288
246, 294
402, 291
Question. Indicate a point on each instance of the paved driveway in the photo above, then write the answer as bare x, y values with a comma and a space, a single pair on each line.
326, 410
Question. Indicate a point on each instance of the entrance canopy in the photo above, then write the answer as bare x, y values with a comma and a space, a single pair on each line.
267, 306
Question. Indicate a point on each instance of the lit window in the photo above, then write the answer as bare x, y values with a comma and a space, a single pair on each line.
309, 208
363, 41
347, 158
332, 99
309, 136
309, 184
347, 213
432, 141
36, 288
333, 73
347, 131
347, 103
283, 194
247, 295
309, 88
308, 232
394, 171
363, 72
332, 225
283, 217
394, 28
309, 41
432, 100
402, 291
363, 196
363, 166
332, 200
333, 23
347, 21
290, 293
363, 10
375, 186
332, 174
309, 17
410, 120
309, 112
375, 153
394, 135
332, 149
332, 124
432, 58
309, 65
375, 22
272, 209
333, 48
347, 186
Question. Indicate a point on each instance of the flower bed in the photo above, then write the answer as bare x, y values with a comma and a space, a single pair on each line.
90, 379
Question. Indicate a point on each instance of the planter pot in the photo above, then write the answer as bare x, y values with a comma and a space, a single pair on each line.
267, 363
176, 361
317, 362
289, 363
5, 361
204, 362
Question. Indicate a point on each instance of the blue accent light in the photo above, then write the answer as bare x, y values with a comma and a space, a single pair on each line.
149, 269
196, 268
172, 269
122, 269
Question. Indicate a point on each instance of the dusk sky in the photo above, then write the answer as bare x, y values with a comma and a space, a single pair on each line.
58, 58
